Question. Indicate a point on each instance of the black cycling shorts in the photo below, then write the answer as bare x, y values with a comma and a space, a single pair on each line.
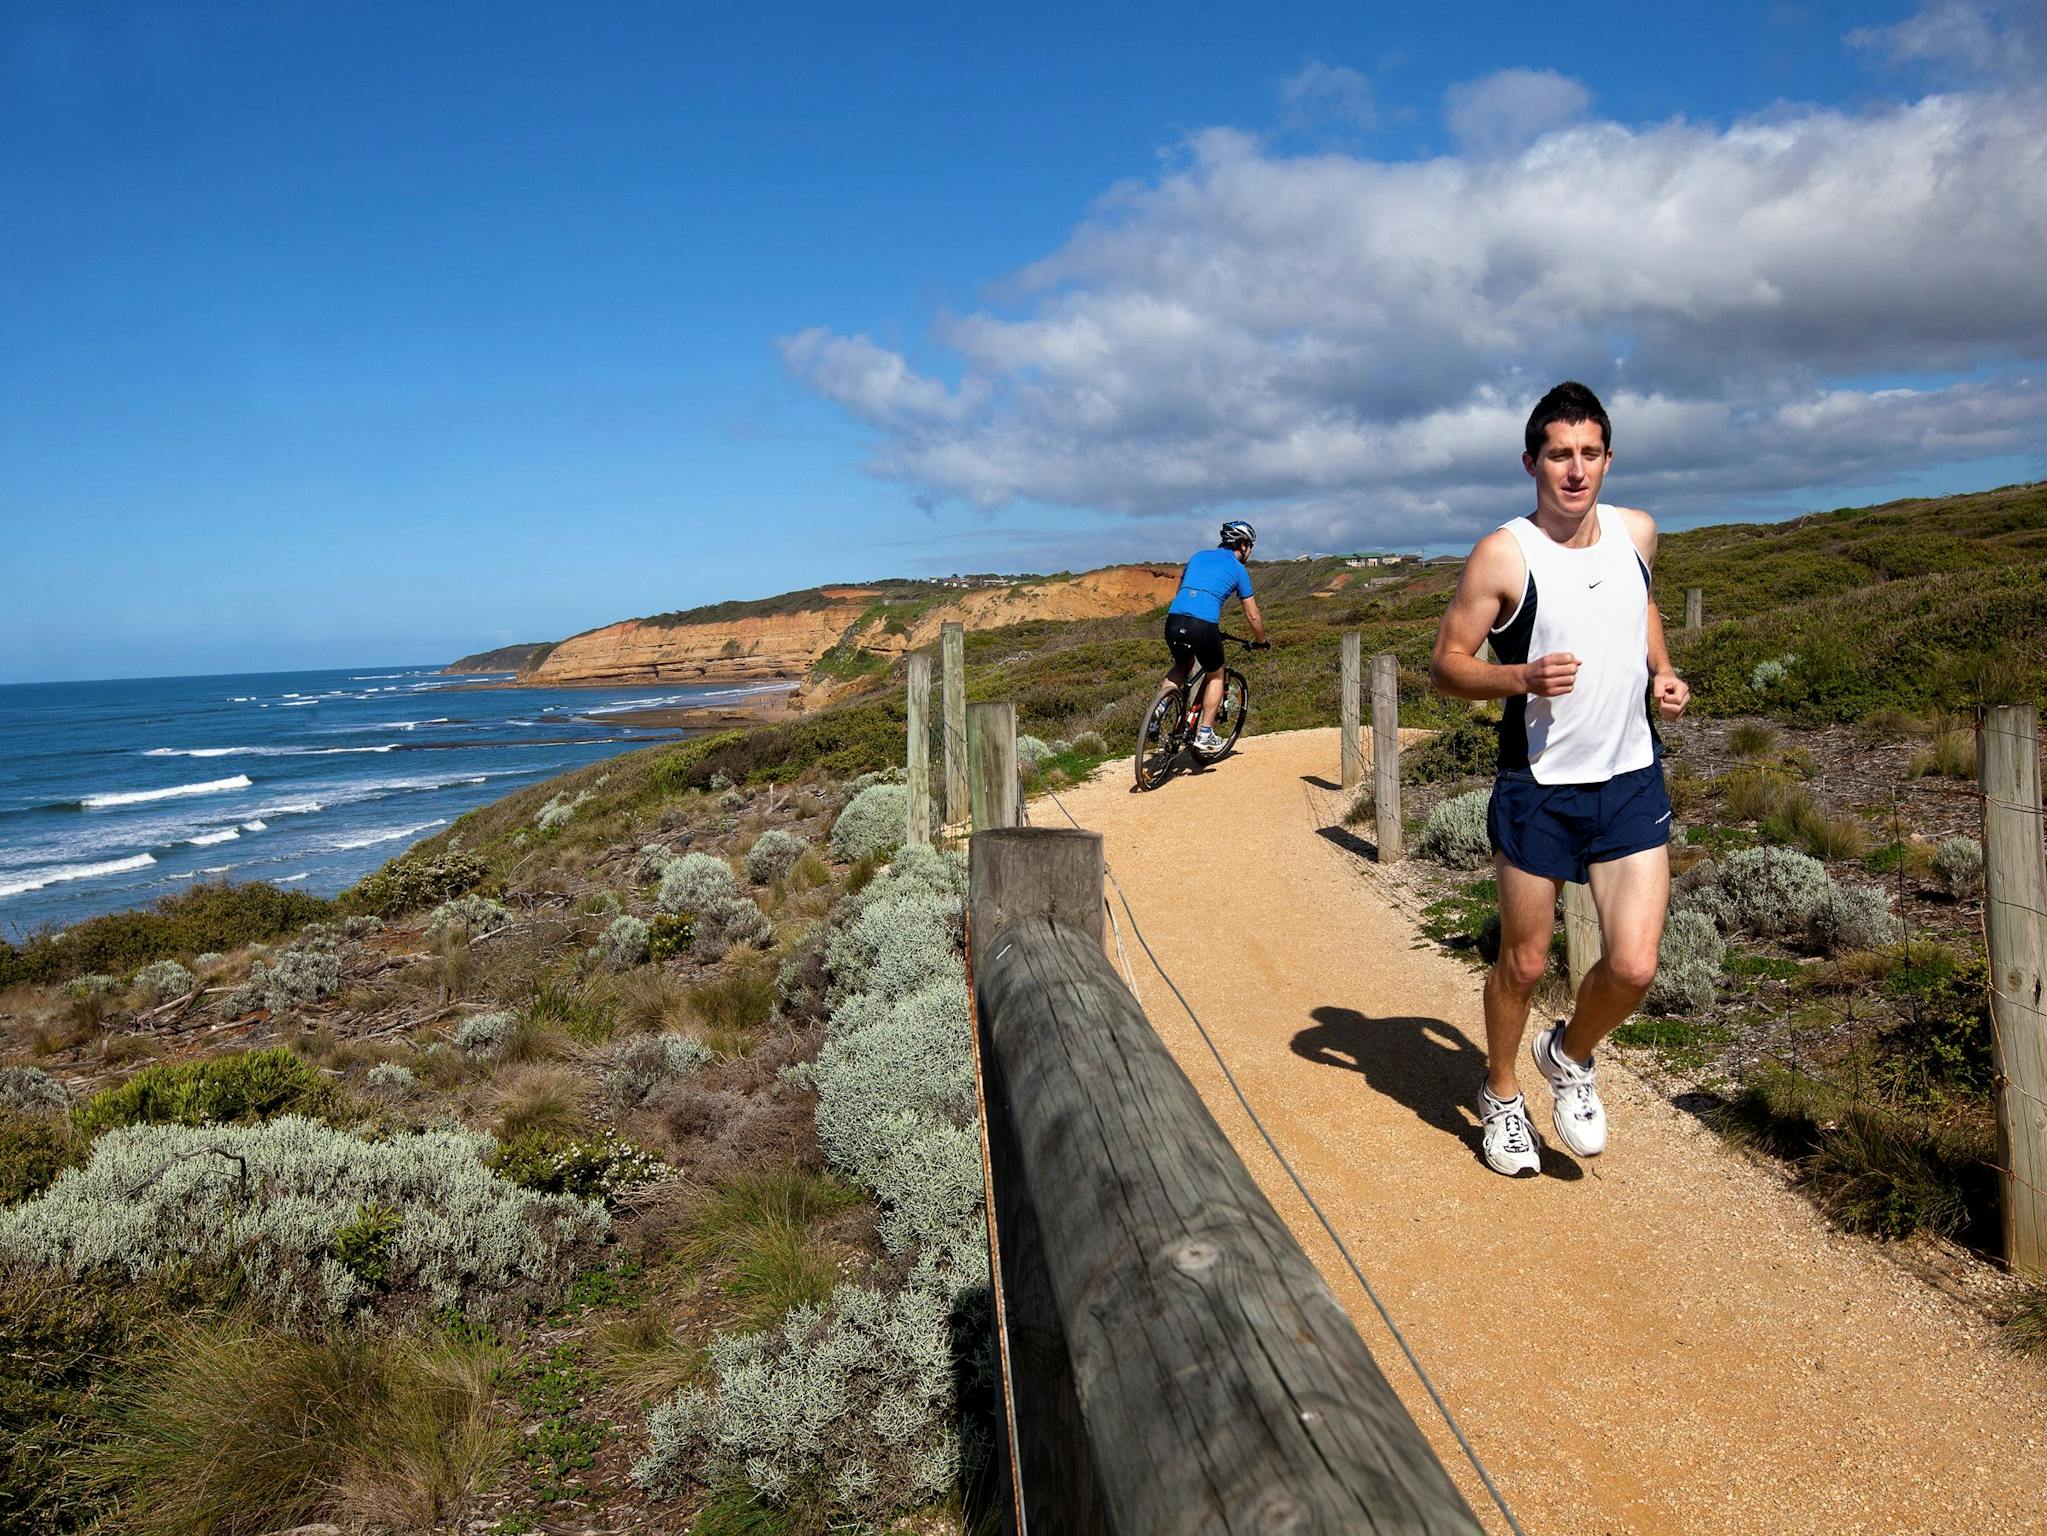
1198, 638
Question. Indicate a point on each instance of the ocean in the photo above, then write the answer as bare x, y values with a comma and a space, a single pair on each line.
113, 794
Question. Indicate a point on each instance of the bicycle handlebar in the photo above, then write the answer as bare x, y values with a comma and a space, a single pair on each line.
1249, 645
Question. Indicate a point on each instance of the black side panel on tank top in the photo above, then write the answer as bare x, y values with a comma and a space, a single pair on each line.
1510, 648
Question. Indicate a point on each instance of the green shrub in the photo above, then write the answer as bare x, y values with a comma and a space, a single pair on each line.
34, 1149
1455, 832
668, 935
773, 855
1943, 1036
247, 1085
874, 821
1958, 865
1470, 748
1687, 965
207, 917
585, 1167
643, 1063
270, 1198
414, 881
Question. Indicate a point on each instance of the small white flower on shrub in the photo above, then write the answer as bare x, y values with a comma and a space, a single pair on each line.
773, 855
474, 915
165, 979
1958, 865
1455, 832
559, 811
873, 822
693, 882
1687, 965
625, 942
643, 1063
31, 1088
485, 1034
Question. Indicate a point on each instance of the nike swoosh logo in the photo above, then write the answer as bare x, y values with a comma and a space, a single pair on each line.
1591, 584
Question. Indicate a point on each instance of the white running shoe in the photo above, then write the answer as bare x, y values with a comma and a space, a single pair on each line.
1206, 742
1579, 1116
1511, 1145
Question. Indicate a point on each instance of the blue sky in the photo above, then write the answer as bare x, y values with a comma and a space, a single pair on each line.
338, 334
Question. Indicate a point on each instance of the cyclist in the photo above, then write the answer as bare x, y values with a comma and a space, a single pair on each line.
1194, 621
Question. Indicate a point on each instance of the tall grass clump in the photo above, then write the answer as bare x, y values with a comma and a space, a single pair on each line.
239, 1430
1455, 832
277, 1200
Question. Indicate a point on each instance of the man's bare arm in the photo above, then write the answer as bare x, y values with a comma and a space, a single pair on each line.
1671, 692
1255, 619
1489, 589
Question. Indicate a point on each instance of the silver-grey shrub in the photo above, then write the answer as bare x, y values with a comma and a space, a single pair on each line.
1852, 917
165, 979
1030, 751
559, 811
1773, 892
854, 1398
485, 1034
157, 1195
873, 822
692, 883
1090, 744
1455, 832
1958, 865
393, 1078
643, 1063
651, 861
31, 1088
625, 942
1687, 965
472, 914
728, 922
773, 854
295, 978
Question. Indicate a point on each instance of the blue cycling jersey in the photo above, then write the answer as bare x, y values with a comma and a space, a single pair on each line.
1211, 579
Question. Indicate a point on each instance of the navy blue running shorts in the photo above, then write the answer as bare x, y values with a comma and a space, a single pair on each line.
1556, 830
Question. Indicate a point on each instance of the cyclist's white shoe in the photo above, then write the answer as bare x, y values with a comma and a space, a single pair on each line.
1206, 742
1511, 1145
1579, 1116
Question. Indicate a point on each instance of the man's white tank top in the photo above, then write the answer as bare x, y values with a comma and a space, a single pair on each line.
1593, 603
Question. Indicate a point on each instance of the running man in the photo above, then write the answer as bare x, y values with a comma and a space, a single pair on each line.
1194, 621
1562, 594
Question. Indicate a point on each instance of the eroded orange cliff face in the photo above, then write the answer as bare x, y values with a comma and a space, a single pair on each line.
788, 645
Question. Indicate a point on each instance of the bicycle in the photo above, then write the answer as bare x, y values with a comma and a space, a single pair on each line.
1169, 724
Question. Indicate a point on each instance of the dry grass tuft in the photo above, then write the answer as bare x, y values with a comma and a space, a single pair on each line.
539, 1098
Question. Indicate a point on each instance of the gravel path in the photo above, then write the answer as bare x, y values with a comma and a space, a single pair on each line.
1664, 1340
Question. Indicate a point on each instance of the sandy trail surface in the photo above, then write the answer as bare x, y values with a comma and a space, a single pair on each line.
1665, 1339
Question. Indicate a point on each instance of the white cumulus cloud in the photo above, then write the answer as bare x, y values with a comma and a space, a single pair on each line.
1346, 347
1505, 112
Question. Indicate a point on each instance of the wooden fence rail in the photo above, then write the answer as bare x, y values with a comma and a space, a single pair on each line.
1176, 1363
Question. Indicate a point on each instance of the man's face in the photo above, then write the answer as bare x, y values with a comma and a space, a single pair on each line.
1570, 467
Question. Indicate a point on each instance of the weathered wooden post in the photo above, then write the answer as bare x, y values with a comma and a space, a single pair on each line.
1172, 1360
2015, 888
1386, 757
919, 830
1581, 932
1352, 757
952, 655
991, 764
1695, 608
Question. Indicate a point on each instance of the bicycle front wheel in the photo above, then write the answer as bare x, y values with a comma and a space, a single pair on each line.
1158, 740
1236, 704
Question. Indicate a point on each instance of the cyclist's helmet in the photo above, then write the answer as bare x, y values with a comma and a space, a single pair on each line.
1236, 532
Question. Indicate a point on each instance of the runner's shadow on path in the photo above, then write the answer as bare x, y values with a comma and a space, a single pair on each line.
1319, 782
1420, 1062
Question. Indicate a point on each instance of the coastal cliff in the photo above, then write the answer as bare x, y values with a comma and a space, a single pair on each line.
863, 628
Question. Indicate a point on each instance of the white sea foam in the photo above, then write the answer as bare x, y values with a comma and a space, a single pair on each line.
292, 808
139, 796
18, 882
201, 751
298, 703
258, 825
293, 879
208, 839
389, 746
388, 835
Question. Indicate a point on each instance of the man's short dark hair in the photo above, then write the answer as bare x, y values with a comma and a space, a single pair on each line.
1570, 402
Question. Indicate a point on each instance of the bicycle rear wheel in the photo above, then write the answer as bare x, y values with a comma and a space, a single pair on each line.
1158, 739
1230, 714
